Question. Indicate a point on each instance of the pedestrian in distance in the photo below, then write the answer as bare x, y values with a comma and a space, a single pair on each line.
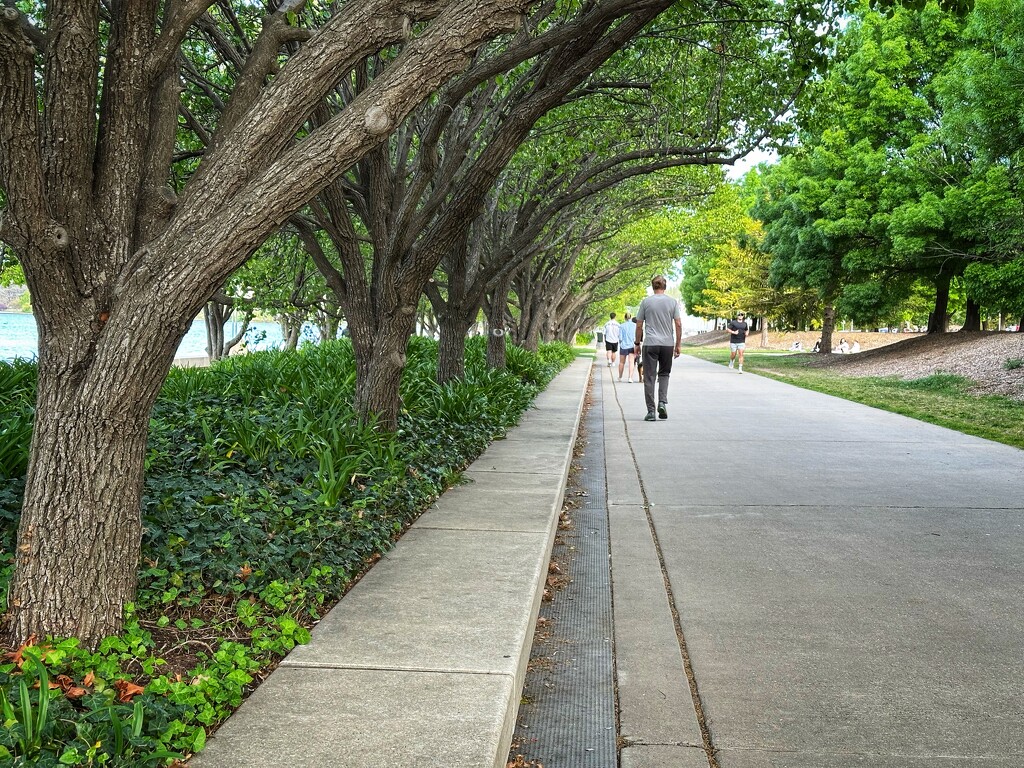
659, 339
737, 339
611, 339
627, 338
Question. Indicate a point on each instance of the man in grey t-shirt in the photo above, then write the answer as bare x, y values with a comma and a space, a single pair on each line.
659, 338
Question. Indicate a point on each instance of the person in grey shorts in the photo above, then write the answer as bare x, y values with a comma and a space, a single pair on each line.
737, 339
659, 338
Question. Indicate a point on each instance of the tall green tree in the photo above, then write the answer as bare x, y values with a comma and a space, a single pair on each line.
123, 240
859, 211
980, 94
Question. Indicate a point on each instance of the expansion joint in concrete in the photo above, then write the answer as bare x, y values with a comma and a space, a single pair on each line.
705, 731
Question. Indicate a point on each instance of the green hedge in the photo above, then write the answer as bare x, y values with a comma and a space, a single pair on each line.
265, 497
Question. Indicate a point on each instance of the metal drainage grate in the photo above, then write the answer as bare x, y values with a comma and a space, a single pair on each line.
567, 716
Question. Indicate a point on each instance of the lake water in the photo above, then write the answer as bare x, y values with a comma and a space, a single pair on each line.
18, 336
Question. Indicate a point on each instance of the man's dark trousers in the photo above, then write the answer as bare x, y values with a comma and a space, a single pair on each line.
657, 365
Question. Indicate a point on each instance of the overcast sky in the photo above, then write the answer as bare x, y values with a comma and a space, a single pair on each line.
735, 172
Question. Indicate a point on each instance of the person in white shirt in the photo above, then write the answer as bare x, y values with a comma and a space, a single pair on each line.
611, 339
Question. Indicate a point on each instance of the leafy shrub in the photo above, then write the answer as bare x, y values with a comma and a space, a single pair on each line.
54, 721
17, 395
1013, 363
265, 497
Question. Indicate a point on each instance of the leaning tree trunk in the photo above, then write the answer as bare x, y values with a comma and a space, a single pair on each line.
81, 528
972, 322
764, 333
118, 277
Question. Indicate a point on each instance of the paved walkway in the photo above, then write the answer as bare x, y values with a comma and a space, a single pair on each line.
848, 583
798, 582
422, 663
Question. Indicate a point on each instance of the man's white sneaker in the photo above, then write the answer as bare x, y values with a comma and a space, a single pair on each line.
629, 381
730, 363
741, 369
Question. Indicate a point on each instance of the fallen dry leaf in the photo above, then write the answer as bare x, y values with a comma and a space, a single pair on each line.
126, 690
17, 656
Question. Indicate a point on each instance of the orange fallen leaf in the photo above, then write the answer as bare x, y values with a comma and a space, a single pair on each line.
18, 656
68, 687
63, 682
126, 689
244, 572
90, 678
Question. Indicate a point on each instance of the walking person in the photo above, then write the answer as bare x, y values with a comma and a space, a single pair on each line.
738, 329
611, 339
627, 338
659, 338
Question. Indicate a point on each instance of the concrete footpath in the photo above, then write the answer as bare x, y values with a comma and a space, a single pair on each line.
847, 583
422, 663
797, 581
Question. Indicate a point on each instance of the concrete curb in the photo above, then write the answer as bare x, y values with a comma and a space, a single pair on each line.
423, 662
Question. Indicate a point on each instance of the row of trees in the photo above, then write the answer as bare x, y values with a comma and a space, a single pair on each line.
462, 150
905, 185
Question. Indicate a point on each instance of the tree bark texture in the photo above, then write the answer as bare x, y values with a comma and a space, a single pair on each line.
451, 350
497, 325
379, 370
938, 320
118, 263
828, 325
80, 527
972, 321
216, 314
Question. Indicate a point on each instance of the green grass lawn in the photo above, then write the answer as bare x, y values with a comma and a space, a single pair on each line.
940, 399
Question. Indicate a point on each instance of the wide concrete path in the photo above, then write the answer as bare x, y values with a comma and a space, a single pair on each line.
848, 583
421, 665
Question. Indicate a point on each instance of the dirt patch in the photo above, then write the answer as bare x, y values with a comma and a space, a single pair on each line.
982, 356
979, 355
784, 339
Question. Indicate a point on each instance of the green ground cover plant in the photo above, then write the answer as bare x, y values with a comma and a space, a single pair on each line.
265, 499
941, 398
